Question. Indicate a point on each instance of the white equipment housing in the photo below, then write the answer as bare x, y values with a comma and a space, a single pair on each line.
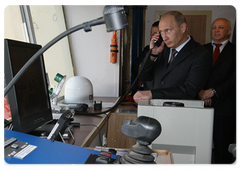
186, 131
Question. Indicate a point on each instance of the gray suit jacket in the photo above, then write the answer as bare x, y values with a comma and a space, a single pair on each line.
184, 77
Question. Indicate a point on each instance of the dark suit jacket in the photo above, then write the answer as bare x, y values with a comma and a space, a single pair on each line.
223, 80
184, 77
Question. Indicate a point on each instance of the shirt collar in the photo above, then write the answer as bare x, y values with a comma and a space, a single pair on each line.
183, 44
223, 43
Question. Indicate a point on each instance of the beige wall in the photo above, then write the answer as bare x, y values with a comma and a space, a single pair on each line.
48, 22
91, 50
13, 26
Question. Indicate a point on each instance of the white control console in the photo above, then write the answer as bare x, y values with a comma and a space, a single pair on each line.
186, 131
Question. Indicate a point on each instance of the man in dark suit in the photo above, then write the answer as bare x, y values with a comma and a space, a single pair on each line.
178, 74
136, 63
220, 90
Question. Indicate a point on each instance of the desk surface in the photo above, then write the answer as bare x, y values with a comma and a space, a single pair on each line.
48, 152
90, 125
60, 153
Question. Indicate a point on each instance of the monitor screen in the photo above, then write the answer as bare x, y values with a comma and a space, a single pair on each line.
28, 98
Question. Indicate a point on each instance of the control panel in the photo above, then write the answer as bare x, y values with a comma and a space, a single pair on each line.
17, 149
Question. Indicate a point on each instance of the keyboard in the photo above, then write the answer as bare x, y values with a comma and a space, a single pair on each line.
17, 149
25, 151
9, 142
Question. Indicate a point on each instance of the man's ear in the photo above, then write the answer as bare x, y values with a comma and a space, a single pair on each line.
229, 31
184, 27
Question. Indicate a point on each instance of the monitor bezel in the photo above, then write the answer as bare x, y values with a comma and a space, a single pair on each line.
29, 123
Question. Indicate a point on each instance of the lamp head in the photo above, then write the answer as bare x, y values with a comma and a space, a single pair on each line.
114, 17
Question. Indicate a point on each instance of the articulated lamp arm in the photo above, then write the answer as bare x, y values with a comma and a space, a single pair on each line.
113, 16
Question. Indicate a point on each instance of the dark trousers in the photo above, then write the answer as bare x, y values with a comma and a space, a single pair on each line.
224, 134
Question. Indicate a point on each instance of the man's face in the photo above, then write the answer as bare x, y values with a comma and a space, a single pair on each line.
220, 30
154, 30
172, 34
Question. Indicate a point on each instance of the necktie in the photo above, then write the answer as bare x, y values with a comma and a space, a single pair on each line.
216, 53
173, 55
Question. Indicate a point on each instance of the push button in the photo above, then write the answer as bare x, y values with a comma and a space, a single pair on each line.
14, 146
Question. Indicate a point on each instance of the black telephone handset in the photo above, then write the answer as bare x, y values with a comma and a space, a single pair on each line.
159, 41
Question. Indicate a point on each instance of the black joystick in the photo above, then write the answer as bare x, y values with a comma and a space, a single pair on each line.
145, 130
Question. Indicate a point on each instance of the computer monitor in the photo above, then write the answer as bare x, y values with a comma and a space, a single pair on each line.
28, 98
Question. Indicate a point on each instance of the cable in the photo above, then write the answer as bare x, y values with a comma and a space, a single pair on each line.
131, 87
86, 26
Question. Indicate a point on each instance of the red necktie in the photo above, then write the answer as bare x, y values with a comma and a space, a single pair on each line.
216, 53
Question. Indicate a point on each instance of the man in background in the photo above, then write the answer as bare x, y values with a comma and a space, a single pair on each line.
220, 90
137, 63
